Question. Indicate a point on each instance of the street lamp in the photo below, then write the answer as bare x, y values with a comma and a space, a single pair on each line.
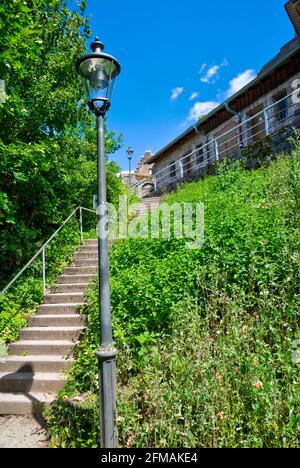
99, 71
130, 154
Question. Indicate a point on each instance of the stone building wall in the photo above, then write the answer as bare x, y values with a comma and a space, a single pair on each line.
141, 177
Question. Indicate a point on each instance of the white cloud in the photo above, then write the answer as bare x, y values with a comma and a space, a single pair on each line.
211, 74
240, 81
176, 93
183, 125
202, 68
202, 108
193, 96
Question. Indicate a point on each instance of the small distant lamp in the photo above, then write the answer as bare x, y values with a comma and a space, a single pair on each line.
130, 154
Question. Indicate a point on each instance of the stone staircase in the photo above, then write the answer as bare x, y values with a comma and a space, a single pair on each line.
32, 374
147, 204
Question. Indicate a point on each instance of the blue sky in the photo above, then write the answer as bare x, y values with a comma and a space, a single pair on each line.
162, 47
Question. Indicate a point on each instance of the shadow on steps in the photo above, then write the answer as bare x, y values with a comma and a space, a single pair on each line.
25, 389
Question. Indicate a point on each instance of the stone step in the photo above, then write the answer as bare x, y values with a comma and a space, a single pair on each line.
81, 270
22, 403
88, 249
35, 369
150, 203
35, 364
90, 242
72, 287
86, 256
51, 333
147, 210
68, 279
139, 211
143, 209
147, 207
57, 320
61, 298
86, 262
59, 309
28, 382
42, 347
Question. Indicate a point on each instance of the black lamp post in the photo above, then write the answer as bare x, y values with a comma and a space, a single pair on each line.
99, 71
130, 154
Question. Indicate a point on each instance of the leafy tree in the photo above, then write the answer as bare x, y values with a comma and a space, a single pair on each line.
47, 135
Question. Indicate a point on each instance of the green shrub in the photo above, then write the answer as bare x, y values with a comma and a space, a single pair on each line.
83, 414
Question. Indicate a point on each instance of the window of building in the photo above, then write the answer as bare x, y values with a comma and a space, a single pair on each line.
210, 150
172, 170
199, 155
281, 109
187, 164
256, 125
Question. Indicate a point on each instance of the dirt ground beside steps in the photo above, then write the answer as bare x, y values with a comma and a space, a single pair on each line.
22, 432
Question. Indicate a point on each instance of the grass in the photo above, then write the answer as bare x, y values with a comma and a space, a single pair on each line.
205, 336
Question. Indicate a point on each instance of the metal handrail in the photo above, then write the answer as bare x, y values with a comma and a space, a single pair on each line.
41, 251
236, 127
88, 209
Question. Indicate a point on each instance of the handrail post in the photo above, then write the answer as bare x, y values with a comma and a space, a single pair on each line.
217, 150
181, 168
81, 224
266, 119
44, 270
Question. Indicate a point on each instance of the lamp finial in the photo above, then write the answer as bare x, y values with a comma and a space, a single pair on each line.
97, 45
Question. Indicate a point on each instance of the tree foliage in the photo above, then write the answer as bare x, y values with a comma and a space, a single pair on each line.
47, 135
